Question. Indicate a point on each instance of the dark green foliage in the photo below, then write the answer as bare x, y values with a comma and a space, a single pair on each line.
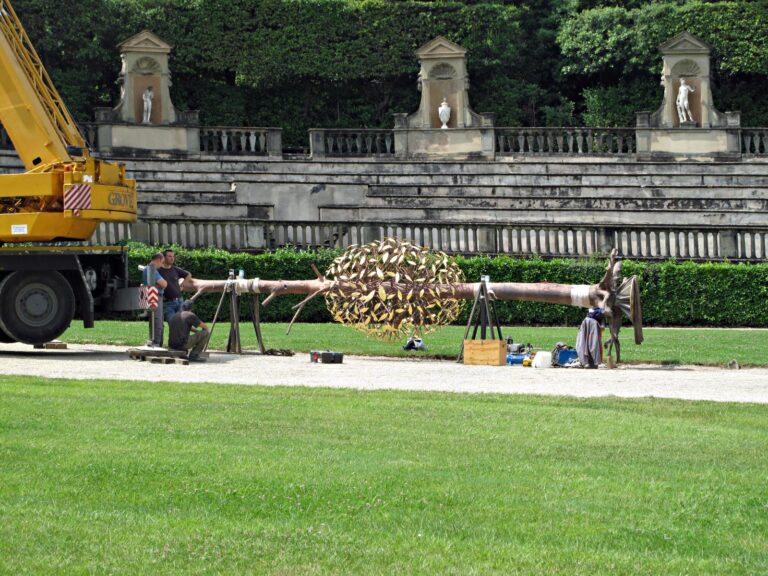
672, 293
616, 105
611, 51
350, 63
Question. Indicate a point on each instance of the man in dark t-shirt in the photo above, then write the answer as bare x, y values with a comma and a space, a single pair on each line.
181, 325
174, 275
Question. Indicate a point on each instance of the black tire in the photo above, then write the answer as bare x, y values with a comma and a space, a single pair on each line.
35, 307
5, 339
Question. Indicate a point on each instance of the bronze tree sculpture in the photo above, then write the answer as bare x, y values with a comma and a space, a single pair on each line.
391, 288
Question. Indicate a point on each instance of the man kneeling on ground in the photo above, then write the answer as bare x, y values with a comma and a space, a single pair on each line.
181, 325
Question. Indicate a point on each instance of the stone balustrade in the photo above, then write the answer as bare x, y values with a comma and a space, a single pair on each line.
754, 141
232, 141
326, 143
547, 241
570, 141
373, 143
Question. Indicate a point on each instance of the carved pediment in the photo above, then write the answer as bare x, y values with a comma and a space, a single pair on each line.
440, 47
145, 41
685, 43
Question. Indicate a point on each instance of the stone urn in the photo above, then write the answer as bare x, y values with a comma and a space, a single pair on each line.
444, 113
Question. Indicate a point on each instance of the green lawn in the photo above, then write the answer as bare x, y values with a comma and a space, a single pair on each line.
155, 478
676, 346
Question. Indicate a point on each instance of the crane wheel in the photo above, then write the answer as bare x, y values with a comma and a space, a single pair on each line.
35, 307
5, 339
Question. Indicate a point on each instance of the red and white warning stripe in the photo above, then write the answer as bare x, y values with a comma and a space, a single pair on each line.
77, 197
148, 297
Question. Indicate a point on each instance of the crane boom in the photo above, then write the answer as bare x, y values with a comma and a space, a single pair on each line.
65, 193
33, 112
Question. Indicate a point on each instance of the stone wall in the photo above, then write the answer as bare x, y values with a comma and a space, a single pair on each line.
533, 205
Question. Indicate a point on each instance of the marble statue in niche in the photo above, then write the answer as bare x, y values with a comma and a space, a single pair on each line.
683, 107
147, 97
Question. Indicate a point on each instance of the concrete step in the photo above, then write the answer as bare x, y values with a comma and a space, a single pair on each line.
221, 183
553, 166
466, 180
194, 174
194, 211
184, 186
226, 167
746, 192
186, 197
572, 217
572, 203
246, 191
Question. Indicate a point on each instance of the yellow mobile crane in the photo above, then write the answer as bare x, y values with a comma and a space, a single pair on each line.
64, 194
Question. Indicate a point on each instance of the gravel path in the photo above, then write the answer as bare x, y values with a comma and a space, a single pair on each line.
112, 362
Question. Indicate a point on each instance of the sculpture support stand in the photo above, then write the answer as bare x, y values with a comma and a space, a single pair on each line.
256, 319
233, 343
486, 318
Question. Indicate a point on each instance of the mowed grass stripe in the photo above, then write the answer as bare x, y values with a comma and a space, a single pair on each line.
662, 345
130, 477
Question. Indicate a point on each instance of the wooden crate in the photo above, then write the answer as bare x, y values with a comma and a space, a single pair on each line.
485, 352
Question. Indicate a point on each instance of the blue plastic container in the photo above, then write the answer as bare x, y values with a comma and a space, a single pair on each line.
516, 358
563, 357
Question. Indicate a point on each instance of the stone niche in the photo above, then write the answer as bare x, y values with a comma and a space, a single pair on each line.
711, 133
144, 60
443, 75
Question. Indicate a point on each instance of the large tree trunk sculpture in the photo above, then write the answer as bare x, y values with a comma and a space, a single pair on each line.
388, 285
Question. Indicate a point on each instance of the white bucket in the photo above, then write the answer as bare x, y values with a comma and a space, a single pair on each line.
542, 360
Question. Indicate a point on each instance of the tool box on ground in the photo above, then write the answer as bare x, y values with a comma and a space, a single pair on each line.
326, 357
563, 355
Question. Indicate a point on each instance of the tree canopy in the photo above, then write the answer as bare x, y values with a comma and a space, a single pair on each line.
324, 63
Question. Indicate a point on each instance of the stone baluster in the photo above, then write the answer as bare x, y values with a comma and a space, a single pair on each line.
590, 136
578, 135
550, 141
747, 139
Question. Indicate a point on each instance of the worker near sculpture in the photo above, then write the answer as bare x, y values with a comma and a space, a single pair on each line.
156, 280
188, 332
174, 276
589, 341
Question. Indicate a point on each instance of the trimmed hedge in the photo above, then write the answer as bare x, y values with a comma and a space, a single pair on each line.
672, 293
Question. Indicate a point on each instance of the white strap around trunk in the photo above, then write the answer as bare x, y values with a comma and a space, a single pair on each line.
580, 295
